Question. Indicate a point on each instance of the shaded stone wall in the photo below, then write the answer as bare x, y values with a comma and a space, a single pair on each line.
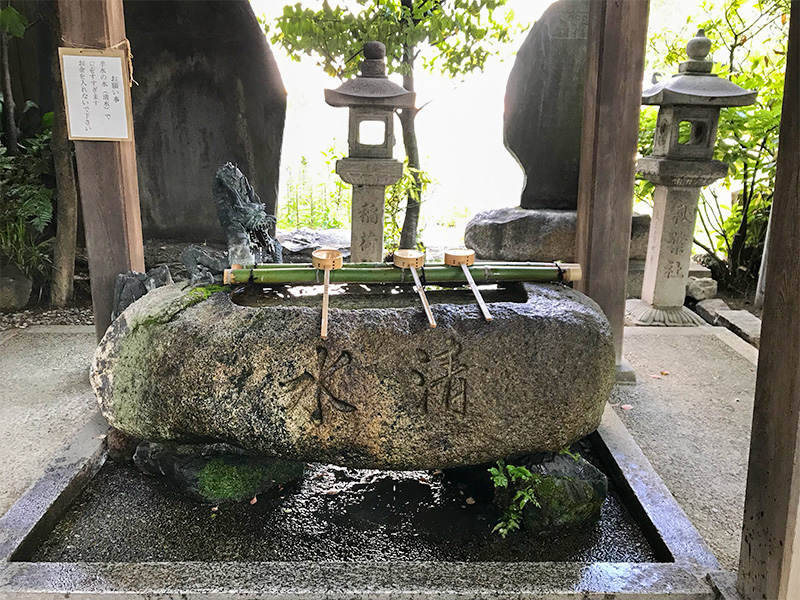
209, 92
544, 105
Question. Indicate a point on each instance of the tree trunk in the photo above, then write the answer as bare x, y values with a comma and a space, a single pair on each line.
61, 287
740, 237
8, 96
408, 235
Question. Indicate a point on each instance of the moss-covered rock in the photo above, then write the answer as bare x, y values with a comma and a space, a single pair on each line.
215, 473
569, 492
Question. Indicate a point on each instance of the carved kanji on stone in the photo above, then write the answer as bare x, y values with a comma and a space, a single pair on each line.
321, 384
443, 378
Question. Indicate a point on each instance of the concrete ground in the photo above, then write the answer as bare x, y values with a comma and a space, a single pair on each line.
45, 398
693, 423
690, 413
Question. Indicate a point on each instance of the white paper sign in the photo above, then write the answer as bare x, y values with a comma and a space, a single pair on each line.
96, 94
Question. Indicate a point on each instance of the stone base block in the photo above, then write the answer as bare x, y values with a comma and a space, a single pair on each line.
636, 275
520, 234
638, 312
625, 373
743, 323
709, 309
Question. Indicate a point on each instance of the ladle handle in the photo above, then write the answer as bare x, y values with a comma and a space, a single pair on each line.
326, 282
476, 292
421, 292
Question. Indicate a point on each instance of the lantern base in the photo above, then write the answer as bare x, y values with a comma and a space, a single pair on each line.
640, 313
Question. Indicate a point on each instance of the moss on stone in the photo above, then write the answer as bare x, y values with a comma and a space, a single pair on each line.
201, 293
220, 480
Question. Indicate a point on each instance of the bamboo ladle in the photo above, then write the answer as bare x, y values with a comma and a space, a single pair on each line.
413, 260
465, 258
326, 260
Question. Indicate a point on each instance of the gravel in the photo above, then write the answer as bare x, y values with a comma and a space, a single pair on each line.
40, 316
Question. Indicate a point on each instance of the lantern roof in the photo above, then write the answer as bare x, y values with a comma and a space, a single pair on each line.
371, 87
695, 84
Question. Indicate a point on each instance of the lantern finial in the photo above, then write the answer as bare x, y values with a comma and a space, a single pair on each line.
697, 49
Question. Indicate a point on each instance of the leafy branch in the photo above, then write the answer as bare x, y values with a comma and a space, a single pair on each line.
520, 483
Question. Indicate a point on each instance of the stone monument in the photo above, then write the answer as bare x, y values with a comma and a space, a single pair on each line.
209, 92
681, 164
369, 168
544, 106
542, 130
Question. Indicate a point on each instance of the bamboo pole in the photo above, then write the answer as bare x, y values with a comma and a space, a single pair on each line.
435, 273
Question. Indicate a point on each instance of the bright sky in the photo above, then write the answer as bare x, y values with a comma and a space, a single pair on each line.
460, 130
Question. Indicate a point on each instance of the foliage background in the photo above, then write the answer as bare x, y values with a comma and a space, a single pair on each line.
749, 44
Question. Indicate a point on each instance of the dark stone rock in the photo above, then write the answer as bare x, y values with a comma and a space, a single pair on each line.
209, 92
204, 264
569, 490
15, 289
522, 235
130, 286
120, 445
544, 105
383, 391
215, 473
300, 243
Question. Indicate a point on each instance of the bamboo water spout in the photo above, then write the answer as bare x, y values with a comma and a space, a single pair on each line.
435, 273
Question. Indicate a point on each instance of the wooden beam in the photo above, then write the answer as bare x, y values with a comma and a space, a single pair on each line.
106, 170
611, 106
769, 564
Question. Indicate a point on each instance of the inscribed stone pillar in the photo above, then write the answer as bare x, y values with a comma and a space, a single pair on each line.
369, 178
670, 247
209, 93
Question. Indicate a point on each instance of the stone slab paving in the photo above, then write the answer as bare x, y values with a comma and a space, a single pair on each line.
743, 323
694, 423
45, 398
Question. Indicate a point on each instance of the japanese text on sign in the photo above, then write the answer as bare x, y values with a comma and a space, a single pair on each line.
95, 94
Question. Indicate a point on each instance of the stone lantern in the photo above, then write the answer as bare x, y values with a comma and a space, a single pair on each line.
369, 167
681, 164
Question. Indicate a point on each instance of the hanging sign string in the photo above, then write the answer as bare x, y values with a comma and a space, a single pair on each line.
124, 45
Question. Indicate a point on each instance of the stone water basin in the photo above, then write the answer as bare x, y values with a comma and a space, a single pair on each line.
383, 391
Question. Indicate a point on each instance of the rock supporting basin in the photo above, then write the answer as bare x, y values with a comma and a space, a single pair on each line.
383, 391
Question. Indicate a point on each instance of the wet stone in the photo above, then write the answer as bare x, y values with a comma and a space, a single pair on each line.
383, 391
215, 473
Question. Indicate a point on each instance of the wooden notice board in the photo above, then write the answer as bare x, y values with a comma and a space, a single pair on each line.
97, 94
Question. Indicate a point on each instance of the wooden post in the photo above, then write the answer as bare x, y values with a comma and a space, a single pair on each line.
769, 564
107, 180
611, 106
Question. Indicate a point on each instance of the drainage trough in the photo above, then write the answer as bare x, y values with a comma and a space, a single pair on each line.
661, 556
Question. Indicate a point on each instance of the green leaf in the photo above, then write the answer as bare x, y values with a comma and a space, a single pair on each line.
13, 21
47, 120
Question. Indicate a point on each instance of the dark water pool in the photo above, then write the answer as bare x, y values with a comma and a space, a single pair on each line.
333, 514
